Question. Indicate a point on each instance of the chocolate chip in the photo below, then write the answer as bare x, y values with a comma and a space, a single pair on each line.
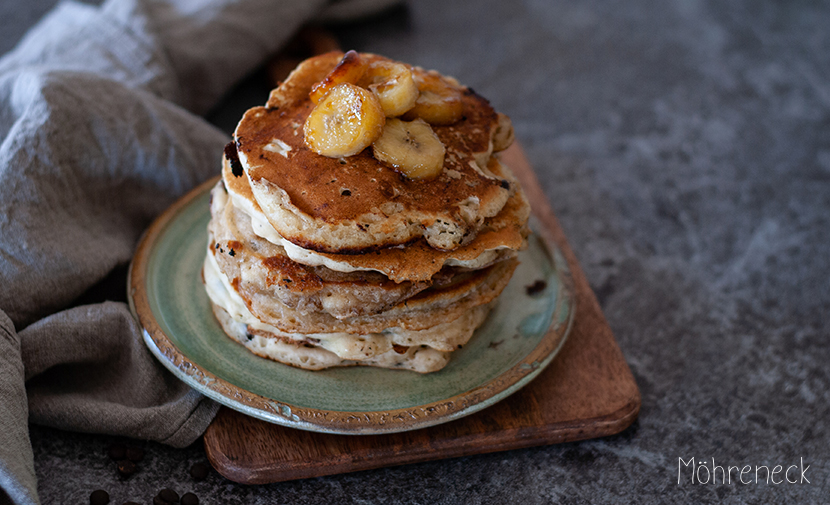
99, 497
169, 495
158, 500
536, 288
233, 157
126, 467
199, 471
135, 454
190, 499
116, 452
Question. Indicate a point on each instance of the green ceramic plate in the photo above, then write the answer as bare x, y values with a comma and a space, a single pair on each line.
520, 337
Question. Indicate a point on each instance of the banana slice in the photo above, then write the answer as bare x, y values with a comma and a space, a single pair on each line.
503, 134
394, 86
345, 121
411, 147
350, 69
439, 102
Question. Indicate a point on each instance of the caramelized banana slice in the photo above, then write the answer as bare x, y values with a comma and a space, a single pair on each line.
345, 121
411, 147
350, 69
394, 86
503, 134
439, 102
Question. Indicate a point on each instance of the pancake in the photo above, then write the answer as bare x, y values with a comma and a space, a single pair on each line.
419, 312
419, 350
357, 203
443, 335
264, 267
420, 359
498, 239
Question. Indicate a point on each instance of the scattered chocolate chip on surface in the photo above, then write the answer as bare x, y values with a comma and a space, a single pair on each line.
169, 495
190, 499
99, 497
199, 471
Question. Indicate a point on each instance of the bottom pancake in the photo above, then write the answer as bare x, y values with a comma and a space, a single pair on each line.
425, 350
420, 358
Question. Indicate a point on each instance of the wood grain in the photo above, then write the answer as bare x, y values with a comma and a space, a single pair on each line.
588, 391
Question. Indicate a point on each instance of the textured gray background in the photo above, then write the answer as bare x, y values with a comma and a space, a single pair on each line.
685, 147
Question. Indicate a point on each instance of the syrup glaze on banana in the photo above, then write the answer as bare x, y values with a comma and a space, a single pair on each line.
355, 99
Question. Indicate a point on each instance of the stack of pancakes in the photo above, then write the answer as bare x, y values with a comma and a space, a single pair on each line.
318, 262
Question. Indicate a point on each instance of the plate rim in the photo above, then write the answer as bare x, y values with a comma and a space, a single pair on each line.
335, 421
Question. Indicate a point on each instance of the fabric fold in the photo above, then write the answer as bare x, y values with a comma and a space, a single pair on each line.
17, 468
88, 370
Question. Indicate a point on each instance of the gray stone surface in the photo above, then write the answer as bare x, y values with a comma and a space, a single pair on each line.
685, 146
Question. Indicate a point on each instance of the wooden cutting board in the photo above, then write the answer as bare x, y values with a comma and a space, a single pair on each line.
588, 391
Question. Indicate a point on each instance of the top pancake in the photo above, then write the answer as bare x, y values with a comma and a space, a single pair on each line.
499, 238
357, 204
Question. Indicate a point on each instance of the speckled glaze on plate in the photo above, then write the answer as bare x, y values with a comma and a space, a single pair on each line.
519, 338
